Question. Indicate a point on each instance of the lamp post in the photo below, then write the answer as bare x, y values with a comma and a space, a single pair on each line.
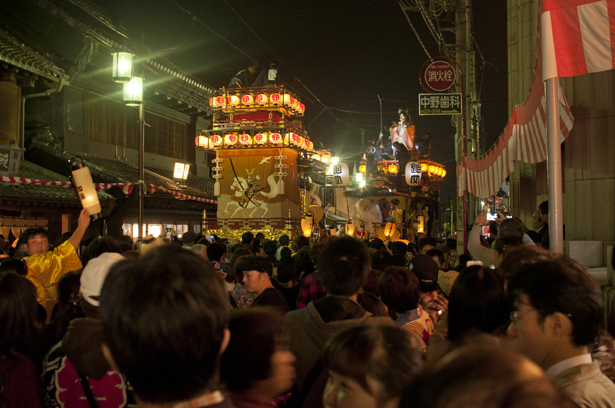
132, 94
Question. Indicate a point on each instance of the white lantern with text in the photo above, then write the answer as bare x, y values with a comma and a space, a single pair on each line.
413, 173
247, 100
245, 139
262, 99
341, 174
215, 141
84, 187
260, 138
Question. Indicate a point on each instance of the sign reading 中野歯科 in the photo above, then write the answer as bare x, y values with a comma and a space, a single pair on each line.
440, 104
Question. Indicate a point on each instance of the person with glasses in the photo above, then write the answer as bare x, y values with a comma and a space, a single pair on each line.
557, 315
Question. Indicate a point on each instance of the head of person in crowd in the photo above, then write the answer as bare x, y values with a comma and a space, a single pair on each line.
372, 304
463, 261
369, 366
343, 265
437, 256
315, 251
247, 238
165, 323
35, 241
287, 269
126, 243
270, 248
505, 244
446, 251
399, 290
260, 237
426, 270
285, 252
543, 209
511, 227
558, 310
537, 223
258, 249
477, 303
256, 272
304, 262
255, 364
399, 247
371, 283
189, 238
14, 265
377, 244
284, 240
216, 251
302, 242
426, 243
483, 374
200, 250
204, 241
446, 282
412, 248
493, 230
92, 279
516, 258
381, 260
99, 246
234, 276
18, 317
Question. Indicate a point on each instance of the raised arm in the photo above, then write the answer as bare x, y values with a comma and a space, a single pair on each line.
82, 225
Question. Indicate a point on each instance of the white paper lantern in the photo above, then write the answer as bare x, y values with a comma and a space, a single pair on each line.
341, 174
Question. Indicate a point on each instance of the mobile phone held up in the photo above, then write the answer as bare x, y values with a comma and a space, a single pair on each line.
492, 217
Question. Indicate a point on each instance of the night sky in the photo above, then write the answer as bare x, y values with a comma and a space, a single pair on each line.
338, 55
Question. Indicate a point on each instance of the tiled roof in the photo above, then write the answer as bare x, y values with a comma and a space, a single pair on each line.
113, 170
31, 194
13, 52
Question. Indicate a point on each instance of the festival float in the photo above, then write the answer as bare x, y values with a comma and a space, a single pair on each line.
261, 153
269, 179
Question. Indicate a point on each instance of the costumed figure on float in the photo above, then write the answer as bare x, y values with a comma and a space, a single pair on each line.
403, 132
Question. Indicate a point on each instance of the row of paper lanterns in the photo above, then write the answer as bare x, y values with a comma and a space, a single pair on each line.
264, 100
433, 169
245, 139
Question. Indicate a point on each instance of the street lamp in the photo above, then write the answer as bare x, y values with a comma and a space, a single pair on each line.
133, 96
122, 66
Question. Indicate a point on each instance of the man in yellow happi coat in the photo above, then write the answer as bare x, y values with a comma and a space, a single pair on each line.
45, 268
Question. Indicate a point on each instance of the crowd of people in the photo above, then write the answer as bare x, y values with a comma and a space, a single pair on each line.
200, 322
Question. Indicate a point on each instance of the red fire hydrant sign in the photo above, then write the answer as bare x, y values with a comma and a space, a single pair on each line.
439, 76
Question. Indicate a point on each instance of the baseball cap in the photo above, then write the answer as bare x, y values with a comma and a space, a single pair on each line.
425, 268
94, 274
446, 282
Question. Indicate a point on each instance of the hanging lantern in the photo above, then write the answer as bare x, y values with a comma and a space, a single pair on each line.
233, 101
306, 143
432, 169
230, 139
424, 167
275, 99
84, 187
380, 234
311, 147
362, 168
122, 67
301, 107
297, 105
393, 169
215, 141
245, 139
247, 100
288, 140
202, 141
260, 139
389, 229
443, 173
275, 138
395, 236
219, 102
262, 99
181, 171
341, 174
316, 156
296, 139
413, 173
288, 101
301, 143
133, 92
325, 156
306, 225
349, 228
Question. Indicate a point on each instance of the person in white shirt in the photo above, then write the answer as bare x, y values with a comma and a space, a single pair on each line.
558, 314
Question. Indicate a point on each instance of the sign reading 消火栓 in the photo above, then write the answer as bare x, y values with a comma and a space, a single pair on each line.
440, 104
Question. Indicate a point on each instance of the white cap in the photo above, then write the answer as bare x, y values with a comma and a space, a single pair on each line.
94, 274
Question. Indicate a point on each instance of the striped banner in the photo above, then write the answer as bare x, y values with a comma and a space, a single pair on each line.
524, 138
578, 37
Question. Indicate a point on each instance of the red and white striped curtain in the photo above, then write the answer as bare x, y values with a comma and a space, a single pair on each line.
524, 138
